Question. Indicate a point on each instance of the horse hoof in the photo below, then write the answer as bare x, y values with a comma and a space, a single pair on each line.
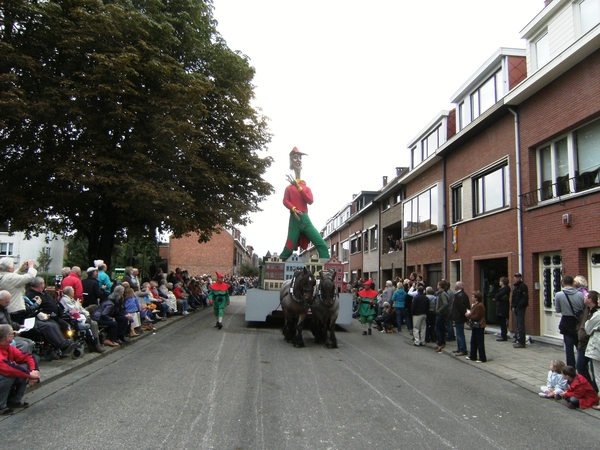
332, 345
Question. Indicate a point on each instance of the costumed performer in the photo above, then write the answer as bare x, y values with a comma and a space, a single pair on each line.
366, 309
218, 296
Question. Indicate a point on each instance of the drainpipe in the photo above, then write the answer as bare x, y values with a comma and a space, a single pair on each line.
519, 199
444, 227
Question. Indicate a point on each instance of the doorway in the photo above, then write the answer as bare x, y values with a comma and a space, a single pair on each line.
491, 270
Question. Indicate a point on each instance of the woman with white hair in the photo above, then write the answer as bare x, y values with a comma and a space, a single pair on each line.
15, 284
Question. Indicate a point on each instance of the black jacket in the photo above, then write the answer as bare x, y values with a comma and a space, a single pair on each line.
520, 296
420, 305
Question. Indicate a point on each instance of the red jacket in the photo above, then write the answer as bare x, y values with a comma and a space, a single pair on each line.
300, 199
10, 360
582, 389
75, 281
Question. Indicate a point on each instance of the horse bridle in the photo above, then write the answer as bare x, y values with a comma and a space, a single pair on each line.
320, 293
305, 290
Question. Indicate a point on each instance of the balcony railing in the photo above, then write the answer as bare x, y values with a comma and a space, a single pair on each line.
563, 187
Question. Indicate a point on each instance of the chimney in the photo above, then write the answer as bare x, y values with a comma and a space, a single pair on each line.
547, 2
385, 178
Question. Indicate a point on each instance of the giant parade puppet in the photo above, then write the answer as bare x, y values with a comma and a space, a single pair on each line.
296, 199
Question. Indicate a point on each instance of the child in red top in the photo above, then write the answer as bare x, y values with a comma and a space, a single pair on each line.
580, 392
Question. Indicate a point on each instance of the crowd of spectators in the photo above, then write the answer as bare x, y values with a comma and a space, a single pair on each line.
92, 312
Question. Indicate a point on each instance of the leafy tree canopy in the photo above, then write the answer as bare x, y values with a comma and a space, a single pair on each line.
125, 118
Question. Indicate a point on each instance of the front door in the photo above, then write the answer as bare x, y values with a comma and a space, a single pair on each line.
594, 269
550, 275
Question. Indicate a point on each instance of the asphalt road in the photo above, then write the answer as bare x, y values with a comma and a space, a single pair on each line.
191, 386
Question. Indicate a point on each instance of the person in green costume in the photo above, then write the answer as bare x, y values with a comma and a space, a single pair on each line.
218, 297
366, 308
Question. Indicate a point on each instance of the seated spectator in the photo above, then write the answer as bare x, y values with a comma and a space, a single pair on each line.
37, 288
182, 303
81, 320
385, 321
580, 393
171, 301
109, 315
556, 383
17, 371
43, 328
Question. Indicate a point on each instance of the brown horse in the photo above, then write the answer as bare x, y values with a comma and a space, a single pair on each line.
325, 310
296, 297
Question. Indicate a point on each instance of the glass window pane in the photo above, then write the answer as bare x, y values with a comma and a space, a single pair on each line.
542, 51
589, 15
546, 173
487, 95
406, 218
433, 215
562, 166
415, 216
587, 141
416, 155
475, 105
424, 212
494, 190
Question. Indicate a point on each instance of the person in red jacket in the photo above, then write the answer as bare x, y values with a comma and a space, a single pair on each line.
17, 371
74, 279
580, 393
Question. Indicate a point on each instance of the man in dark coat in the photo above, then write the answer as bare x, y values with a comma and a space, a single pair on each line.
520, 302
92, 293
37, 288
457, 315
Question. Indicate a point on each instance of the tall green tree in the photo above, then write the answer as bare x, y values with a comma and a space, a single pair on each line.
125, 118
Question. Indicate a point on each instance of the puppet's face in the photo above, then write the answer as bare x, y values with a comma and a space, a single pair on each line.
296, 162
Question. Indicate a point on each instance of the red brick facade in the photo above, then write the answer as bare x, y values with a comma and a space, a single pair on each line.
214, 255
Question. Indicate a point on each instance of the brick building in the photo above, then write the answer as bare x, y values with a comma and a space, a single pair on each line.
225, 252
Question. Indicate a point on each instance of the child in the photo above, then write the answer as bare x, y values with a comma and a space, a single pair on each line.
556, 384
580, 392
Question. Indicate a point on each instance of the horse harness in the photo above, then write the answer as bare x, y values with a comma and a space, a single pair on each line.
292, 284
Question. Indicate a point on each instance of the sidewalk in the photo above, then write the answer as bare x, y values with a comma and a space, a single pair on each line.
526, 367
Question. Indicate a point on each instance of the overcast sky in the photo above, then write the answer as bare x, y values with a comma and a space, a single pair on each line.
351, 82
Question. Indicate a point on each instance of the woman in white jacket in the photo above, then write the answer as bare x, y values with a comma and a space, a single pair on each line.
592, 328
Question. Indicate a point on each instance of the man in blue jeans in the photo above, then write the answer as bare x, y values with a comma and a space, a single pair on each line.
460, 305
520, 302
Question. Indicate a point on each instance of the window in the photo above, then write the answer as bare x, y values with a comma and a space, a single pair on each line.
570, 163
398, 198
486, 96
457, 210
464, 115
542, 51
589, 15
366, 241
373, 233
345, 253
416, 155
421, 213
491, 190
356, 244
6, 249
431, 143
587, 147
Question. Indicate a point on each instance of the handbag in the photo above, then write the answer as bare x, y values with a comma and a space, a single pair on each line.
476, 324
